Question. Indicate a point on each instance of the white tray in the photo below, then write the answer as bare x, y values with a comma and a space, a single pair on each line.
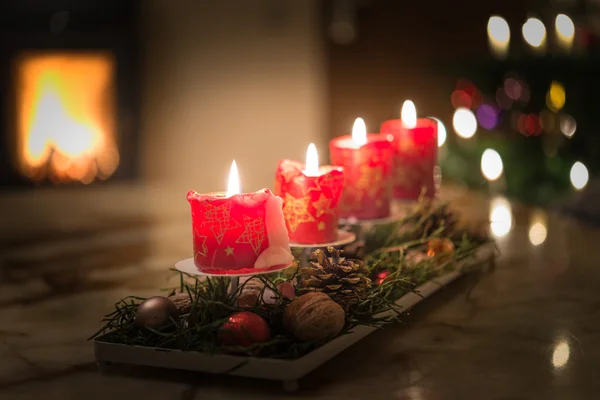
288, 371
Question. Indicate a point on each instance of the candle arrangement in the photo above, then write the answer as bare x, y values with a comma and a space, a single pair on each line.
237, 232
310, 198
367, 160
270, 325
416, 153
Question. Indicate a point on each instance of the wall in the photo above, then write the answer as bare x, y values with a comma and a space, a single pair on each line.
223, 79
230, 80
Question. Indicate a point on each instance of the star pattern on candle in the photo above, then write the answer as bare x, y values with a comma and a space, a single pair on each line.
321, 226
369, 181
201, 243
295, 211
218, 219
313, 184
229, 250
254, 233
322, 206
334, 183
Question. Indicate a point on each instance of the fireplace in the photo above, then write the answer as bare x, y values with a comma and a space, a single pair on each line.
69, 81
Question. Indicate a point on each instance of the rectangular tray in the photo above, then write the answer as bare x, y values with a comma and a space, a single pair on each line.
265, 368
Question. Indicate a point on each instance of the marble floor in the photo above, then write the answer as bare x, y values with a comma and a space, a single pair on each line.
526, 330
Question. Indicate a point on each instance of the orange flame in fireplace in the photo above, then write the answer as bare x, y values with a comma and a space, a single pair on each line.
66, 117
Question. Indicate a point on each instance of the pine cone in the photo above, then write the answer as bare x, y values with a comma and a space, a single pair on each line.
346, 281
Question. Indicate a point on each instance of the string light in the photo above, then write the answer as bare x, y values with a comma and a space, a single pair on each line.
556, 97
579, 175
441, 132
568, 125
491, 165
561, 354
500, 217
534, 32
498, 36
565, 31
464, 123
537, 234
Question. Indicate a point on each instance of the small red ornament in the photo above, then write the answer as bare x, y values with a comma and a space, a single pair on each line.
381, 277
244, 328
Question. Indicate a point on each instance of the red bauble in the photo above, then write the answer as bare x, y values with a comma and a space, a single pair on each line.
244, 329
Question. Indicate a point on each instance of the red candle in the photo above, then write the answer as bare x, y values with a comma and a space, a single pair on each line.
367, 160
416, 153
310, 198
238, 233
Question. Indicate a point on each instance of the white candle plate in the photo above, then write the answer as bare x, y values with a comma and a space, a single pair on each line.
188, 266
344, 237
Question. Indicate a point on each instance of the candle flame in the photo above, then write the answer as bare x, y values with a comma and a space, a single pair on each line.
233, 185
359, 132
409, 114
312, 161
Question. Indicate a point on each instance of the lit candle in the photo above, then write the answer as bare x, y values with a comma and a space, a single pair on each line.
416, 153
367, 160
237, 232
310, 198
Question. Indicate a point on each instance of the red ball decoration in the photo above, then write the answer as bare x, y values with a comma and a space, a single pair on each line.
244, 328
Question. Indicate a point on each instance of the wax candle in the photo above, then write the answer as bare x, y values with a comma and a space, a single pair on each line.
367, 160
310, 198
237, 232
416, 153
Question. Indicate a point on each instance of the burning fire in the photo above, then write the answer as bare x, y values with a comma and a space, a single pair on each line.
66, 117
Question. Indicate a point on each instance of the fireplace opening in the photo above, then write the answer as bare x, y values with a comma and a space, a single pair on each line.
65, 109
70, 93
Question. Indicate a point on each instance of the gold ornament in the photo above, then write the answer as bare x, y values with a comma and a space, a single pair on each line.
443, 248
314, 317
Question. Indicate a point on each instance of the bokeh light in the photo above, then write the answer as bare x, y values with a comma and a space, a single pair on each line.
500, 217
491, 165
513, 88
565, 31
487, 116
441, 131
556, 97
568, 126
498, 36
561, 354
534, 32
537, 233
579, 175
529, 124
502, 99
547, 121
460, 98
466, 95
464, 123
532, 125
